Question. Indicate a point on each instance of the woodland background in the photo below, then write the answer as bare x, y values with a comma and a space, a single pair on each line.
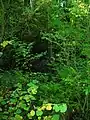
44, 60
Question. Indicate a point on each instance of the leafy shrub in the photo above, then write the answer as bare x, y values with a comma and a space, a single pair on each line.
9, 78
22, 103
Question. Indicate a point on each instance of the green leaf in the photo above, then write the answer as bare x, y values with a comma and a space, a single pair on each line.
55, 117
19, 85
5, 43
11, 109
13, 101
29, 90
32, 97
27, 98
23, 106
1, 99
29, 116
23, 92
32, 85
18, 111
14, 94
56, 108
39, 113
63, 108
3, 102
87, 90
34, 91
18, 117
60, 107
32, 113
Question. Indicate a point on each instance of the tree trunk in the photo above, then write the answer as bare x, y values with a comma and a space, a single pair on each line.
26, 2
3, 20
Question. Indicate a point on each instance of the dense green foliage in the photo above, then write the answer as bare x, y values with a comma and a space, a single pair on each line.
44, 60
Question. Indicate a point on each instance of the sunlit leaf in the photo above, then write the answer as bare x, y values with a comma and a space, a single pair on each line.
63, 108
48, 106
32, 113
18, 117
5, 43
55, 117
56, 108
39, 113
